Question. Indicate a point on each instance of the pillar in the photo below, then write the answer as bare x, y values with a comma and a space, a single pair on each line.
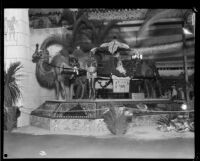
17, 48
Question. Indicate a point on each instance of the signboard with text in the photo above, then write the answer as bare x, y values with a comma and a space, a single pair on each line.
121, 85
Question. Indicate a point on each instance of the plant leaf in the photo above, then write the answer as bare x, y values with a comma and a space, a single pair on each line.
11, 89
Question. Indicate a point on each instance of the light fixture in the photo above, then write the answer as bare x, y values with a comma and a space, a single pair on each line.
184, 106
186, 31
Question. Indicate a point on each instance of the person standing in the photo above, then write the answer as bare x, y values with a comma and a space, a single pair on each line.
174, 92
91, 67
181, 94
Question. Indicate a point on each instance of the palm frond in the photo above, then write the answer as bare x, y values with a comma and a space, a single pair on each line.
86, 33
11, 88
18, 76
68, 16
104, 32
15, 92
7, 96
83, 20
14, 67
10, 75
86, 47
79, 14
94, 30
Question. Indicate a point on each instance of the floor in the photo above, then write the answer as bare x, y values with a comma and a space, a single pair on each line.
144, 142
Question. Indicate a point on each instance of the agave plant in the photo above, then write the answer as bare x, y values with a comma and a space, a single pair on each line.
11, 93
116, 120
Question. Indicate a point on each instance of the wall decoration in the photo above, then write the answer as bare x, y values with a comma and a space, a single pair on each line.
10, 28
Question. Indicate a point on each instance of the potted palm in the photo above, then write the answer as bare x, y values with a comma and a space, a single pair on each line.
11, 94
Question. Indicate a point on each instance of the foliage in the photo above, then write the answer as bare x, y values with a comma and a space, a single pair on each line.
93, 30
11, 94
165, 120
70, 16
83, 28
11, 89
179, 123
85, 33
116, 121
10, 117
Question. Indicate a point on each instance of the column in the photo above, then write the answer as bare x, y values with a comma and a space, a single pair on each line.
17, 48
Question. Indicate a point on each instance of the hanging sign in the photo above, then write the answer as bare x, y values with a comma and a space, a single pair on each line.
121, 85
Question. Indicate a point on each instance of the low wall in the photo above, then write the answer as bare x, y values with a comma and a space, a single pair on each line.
89, 126
147, 120
42, 122
71, 125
